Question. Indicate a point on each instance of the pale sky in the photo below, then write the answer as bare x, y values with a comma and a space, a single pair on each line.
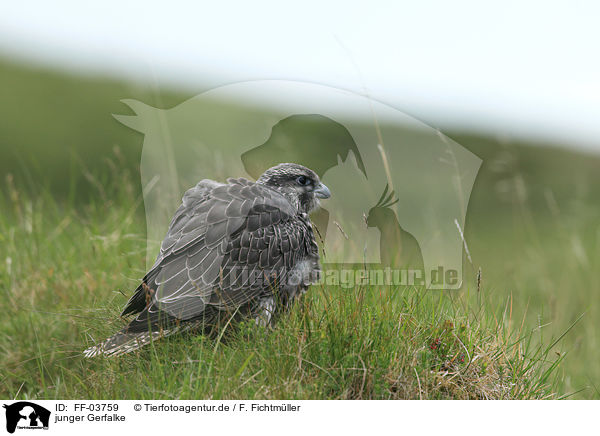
516, 68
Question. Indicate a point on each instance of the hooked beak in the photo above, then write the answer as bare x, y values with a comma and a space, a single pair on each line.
322, 191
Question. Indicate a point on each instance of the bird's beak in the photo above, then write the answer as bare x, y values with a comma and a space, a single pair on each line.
322, 191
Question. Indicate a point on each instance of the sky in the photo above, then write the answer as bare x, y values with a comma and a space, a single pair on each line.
512, 68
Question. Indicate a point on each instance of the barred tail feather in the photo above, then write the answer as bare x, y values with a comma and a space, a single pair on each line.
123, 342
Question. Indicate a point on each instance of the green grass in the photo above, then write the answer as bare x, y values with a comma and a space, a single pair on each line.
67, 271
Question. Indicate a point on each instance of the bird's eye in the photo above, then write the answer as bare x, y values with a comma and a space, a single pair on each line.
303, 180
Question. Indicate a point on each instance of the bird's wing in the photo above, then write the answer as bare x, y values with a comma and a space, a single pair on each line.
192, 197
226, 246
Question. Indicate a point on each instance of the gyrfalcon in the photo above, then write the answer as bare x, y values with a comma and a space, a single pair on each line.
235, 249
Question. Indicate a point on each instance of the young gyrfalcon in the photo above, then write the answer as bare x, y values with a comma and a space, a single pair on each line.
234, 249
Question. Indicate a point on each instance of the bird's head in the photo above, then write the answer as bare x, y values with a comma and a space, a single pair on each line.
379, 213
297, 183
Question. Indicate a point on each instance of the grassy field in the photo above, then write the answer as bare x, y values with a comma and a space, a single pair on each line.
68, 282
72, 247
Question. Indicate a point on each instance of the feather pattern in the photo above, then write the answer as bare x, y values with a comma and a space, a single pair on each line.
230, 248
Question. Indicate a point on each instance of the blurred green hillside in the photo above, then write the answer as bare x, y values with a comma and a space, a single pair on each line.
532, 225
52, 122
52, 125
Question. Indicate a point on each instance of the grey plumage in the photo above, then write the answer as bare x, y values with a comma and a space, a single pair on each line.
239, 248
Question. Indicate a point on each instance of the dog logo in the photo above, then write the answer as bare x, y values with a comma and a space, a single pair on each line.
26, 415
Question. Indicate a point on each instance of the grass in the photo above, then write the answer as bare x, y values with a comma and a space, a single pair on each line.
67, 272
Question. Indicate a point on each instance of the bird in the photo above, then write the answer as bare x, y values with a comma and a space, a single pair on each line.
233, 250
398, 248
